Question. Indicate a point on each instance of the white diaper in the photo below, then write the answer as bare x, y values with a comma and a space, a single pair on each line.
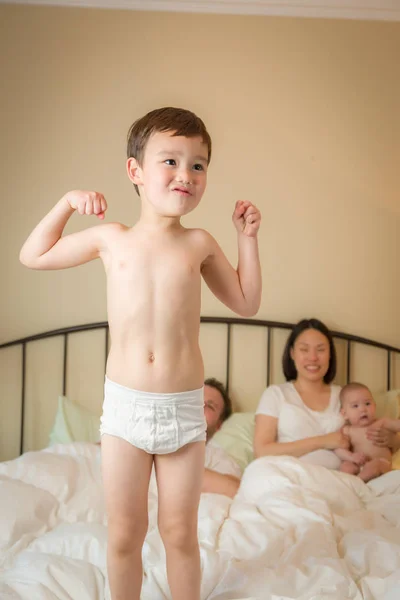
156, 423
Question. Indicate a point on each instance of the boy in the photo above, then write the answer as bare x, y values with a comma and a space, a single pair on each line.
364, 459
153, 404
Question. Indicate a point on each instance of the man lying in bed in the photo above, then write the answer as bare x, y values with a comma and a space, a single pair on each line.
218, 477
221, 473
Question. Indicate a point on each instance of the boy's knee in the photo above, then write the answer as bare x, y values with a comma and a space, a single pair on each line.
350, 468
181, 536
124, 537
385, 465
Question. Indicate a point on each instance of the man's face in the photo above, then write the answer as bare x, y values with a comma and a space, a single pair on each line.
213, 409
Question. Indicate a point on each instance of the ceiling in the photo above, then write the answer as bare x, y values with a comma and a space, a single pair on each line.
385, 10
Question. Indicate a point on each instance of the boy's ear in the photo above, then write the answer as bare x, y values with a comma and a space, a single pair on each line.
134, 171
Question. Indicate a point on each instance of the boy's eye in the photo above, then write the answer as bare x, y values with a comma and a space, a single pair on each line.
198, 167
170, 161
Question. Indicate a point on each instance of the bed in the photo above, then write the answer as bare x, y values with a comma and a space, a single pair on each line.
293, 531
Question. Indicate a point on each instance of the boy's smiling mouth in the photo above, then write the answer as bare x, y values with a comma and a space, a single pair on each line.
182, 190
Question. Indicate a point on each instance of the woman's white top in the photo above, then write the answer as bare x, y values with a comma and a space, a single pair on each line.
296, 421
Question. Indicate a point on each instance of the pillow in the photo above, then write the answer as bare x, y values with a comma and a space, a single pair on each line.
236, 437
396, 460
387, 404
73, 423
217, 459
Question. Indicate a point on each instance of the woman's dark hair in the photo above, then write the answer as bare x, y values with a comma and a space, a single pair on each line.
289, 368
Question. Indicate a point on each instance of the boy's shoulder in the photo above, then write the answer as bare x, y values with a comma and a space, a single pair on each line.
115, 226
199, 236
113, 229
197, 232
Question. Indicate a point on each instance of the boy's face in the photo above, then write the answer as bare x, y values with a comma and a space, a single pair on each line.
173, 176
359, 408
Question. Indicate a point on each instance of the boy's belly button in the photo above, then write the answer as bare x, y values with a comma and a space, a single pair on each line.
151, 357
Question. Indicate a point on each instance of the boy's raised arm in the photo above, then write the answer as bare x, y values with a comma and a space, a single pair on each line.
46, 249
239, 289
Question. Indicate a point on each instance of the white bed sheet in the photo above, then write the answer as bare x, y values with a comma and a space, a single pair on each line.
294, 531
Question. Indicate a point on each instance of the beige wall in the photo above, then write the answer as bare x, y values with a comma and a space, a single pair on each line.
304, 119
305, 122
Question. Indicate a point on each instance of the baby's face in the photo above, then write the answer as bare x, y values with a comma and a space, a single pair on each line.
359, 408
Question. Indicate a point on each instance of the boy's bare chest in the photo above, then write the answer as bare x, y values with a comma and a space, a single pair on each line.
358, 436
361, 443
156, 262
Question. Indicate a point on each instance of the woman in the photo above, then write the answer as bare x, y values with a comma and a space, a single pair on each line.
302, 417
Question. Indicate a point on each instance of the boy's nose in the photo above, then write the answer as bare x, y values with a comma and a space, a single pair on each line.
184, 175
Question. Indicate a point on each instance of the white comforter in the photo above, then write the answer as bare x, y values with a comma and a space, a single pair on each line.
294, 531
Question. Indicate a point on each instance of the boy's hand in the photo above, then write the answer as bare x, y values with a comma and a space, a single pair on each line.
359, 458
246, 218
87, 203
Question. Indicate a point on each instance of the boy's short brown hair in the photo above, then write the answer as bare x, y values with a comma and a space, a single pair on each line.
177, 120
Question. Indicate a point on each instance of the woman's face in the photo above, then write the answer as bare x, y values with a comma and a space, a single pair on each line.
311, 355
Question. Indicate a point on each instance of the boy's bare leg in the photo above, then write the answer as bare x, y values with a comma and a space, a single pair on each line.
348, 467
126, 474
179, 480
374, 468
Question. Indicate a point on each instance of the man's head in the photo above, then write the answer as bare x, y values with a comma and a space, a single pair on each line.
176, 122
217, 405
358, 405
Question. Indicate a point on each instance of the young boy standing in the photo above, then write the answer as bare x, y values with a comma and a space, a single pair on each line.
153, 406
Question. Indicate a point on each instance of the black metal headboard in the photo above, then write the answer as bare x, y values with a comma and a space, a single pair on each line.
228, 321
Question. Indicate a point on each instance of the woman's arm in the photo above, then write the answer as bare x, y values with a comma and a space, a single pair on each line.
383, 433
265, 443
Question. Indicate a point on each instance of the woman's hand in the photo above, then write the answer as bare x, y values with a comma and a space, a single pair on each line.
335, 440
380, 436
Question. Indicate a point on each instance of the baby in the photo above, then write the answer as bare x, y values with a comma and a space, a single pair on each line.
364, 458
